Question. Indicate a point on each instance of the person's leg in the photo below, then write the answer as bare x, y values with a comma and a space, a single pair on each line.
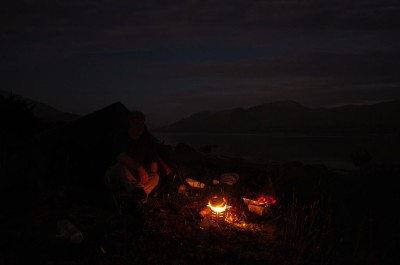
131, 183
152, 183
128, 180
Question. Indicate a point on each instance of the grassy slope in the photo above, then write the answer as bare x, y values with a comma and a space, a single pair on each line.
322, 217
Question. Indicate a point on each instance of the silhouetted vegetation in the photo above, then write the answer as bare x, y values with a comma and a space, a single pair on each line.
17, 119
17, 127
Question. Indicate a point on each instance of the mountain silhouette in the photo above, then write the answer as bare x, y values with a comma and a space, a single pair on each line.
292, 117
44, 112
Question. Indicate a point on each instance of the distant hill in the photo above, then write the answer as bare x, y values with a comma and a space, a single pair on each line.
292, 117
45, 112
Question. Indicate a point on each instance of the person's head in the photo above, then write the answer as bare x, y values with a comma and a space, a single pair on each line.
137, 121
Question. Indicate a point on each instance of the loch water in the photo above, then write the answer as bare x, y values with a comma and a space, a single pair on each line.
331, 151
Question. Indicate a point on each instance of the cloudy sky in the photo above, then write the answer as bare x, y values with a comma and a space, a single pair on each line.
173, 58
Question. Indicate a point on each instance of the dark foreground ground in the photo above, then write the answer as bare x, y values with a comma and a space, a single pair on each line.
322, 216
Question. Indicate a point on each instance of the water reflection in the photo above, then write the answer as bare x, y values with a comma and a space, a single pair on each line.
332, 151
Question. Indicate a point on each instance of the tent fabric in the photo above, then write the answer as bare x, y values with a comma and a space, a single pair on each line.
81, 151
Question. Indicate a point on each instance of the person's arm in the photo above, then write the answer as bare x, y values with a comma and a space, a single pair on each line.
132, 165
167, 169
154, 167
152, 156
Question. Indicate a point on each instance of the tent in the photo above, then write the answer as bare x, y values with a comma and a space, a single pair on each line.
80, 151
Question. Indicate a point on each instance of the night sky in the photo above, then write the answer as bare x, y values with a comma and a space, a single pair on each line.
173, 58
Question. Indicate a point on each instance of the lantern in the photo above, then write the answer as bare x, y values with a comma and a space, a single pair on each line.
218, 206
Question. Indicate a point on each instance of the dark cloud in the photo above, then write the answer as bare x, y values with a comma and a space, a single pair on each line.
47, 16
177, 57
332, 67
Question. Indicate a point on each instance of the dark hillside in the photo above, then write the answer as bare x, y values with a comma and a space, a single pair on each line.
291, 117
45, 112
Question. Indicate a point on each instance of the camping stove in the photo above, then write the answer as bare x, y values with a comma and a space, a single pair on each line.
218, 208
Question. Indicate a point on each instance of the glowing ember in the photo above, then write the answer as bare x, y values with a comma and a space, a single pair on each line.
259, 199
266, 199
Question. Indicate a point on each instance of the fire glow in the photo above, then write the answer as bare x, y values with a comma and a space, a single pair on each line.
218, 208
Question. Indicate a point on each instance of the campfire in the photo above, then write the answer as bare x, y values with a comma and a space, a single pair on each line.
218, 206
217, 211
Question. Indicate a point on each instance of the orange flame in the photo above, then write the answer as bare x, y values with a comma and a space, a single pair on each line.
217, 209
217, 204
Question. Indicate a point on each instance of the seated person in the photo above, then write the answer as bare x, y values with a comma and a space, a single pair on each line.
136, 168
